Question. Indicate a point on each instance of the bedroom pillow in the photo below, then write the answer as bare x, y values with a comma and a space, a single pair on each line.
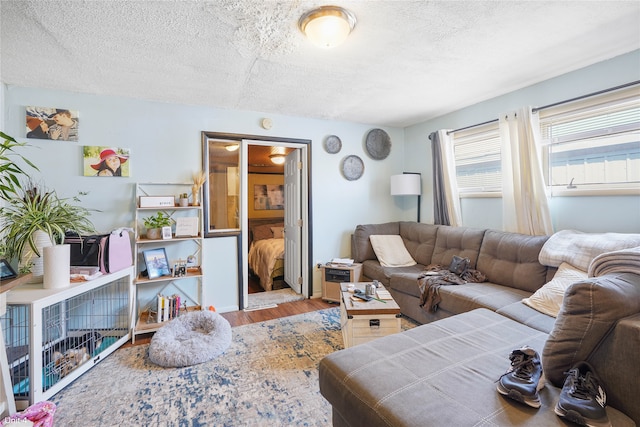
391, 251
548, 299
261, 232
278, 232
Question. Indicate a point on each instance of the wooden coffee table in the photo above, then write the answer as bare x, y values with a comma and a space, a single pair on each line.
363, 321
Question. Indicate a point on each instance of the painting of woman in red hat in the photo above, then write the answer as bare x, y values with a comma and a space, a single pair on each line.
106, 161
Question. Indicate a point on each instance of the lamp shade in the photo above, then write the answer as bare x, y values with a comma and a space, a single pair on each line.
406, 184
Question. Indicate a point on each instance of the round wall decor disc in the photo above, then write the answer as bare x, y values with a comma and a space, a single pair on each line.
352, 167
332, 144
378, 144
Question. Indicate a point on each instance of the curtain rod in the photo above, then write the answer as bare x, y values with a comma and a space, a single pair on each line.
535, 110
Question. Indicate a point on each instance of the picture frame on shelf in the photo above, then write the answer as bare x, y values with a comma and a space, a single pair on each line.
156, 263
6, 272
166, 233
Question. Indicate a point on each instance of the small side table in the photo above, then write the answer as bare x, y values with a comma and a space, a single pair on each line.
334, 274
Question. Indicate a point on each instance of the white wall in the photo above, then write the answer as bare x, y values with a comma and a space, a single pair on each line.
166, 147
589, 214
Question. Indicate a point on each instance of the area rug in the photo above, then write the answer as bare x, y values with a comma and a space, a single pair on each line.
270, 299
267, 377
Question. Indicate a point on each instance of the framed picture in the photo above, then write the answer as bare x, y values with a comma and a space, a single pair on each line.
52, 123
106, 161
166, 233
268, 197
156, 262
6, 272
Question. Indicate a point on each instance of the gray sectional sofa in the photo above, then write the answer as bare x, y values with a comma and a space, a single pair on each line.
444, 372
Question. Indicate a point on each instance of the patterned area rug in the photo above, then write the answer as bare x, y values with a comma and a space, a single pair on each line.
267, 377
271, 299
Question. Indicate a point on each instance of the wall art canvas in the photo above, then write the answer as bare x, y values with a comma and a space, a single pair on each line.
105, 161
52, 123
268, 196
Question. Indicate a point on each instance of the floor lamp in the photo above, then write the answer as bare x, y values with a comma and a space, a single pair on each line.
407, 184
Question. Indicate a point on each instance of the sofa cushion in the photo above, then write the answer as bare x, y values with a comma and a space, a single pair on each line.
361, 248
591, 308
462, 241
406, 282
548, 298
467, 297
390, 250
420, 240
511, 259
520, 312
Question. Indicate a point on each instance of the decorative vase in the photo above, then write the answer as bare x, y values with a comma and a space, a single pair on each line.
184, 202
41, 240
56, 266
154, 233
196, 195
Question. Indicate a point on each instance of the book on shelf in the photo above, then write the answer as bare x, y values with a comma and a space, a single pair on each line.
168, 307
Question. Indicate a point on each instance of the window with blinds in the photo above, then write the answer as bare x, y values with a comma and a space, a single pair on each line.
593, 143
477, 154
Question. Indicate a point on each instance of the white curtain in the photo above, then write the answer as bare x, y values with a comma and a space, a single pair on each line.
444, 180
524, 193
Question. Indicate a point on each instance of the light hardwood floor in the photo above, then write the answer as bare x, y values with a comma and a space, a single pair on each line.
238, 318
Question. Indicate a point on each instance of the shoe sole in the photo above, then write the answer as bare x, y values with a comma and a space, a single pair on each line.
575, 417
533, 401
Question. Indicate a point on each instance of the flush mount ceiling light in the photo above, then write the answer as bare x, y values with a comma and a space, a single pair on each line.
327, 26
277, 159
232, 147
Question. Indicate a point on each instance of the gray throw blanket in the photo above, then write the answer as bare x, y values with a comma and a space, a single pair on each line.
436, 275
623, 261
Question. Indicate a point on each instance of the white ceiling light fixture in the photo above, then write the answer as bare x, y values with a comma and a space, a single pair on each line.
277, 159
232, 147
327, 26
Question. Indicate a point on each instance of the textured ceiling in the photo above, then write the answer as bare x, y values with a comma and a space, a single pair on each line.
405, 62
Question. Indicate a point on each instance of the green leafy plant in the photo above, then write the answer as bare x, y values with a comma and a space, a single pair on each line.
10, 172
159, 220
35, 208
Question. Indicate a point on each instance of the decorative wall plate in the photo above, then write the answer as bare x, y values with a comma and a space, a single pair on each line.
352, 167
378, 144
332, 144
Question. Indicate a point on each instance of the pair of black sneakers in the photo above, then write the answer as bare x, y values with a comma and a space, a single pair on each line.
582, 399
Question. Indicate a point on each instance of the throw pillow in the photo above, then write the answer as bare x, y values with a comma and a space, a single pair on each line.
548, 299
278, 232
391, 251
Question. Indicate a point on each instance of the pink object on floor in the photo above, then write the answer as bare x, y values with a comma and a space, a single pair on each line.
41, 414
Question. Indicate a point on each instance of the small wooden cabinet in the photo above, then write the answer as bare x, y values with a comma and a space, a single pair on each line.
334, 274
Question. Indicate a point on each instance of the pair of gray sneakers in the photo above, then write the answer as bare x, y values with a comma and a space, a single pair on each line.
582, 399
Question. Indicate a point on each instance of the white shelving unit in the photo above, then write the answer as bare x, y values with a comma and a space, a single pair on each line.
189, 286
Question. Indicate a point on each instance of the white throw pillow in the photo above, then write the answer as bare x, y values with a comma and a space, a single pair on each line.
548, 299
391, 251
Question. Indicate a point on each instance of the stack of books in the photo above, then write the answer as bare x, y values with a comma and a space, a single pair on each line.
168, 307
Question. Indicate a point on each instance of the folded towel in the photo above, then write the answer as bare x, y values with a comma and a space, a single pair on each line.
622, 261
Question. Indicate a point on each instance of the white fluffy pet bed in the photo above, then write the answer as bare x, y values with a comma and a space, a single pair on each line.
192, 338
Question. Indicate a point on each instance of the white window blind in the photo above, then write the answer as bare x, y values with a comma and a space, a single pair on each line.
594, 143
477, 156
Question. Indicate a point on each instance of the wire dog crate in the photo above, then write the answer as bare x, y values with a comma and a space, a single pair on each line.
52, 336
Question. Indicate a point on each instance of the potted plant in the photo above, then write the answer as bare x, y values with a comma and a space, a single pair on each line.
10, 172
154, 224
37, 218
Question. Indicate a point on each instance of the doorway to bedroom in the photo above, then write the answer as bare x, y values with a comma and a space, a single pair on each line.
281, 208
274, 223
